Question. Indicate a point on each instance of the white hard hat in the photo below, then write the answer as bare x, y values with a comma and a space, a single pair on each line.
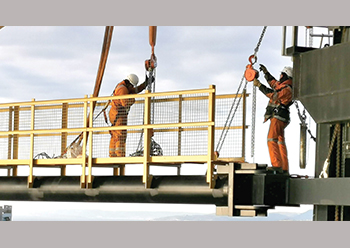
288, 70
133, 79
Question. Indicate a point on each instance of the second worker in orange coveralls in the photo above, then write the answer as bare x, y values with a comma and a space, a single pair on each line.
277, 110
118, 114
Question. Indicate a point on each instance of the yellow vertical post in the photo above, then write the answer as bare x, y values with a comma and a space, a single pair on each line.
179, 135
211, 138
147, 179
179, 129
9, 148
31, 153
15, 138
244, 122
122, 170
83, 158
64, 134
119, 171
116, 172
89, 177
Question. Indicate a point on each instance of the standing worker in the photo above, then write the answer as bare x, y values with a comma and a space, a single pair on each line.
277, 110
118, 114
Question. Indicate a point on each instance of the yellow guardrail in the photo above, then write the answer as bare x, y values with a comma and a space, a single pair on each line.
29, 126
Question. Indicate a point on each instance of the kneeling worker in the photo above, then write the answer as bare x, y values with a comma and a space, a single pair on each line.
277, 111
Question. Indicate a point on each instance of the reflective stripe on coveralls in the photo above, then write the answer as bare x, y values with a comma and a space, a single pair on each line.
118, 115
277, 111
276, 144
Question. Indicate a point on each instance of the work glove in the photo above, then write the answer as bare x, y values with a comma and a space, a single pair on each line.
256, 82
263, 68
147, 79
146, 82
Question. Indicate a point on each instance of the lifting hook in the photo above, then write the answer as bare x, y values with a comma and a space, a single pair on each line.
250, 73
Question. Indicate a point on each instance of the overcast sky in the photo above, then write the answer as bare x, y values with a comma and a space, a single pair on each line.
59, 62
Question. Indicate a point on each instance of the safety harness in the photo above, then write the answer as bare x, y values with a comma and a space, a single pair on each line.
279, 111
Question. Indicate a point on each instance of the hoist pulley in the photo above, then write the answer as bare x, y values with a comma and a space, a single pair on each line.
250, 73
151, 63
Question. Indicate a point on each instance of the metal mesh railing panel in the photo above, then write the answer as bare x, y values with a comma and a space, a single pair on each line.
75, 115
232, 145
4, 119
4, 149
48, 145
23, 147
48, 117
24, 118
169, 109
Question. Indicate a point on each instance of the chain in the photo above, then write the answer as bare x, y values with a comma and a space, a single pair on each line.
260, 40
252, 148
252, 145
229, 119
336, 133
151, 88
302, 118
156, 150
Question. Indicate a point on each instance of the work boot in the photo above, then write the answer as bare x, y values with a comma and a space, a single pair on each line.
286, 173
275, 170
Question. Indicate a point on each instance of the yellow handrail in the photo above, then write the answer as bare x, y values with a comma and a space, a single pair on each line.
194, 114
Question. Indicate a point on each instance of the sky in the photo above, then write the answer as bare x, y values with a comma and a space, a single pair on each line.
59, 62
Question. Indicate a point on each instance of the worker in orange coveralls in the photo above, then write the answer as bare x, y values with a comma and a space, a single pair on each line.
118, 114
277, 111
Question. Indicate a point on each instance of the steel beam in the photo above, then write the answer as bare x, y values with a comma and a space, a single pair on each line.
320, 191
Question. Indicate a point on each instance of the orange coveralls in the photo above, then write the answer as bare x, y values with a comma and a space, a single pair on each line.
118, 116
277, 111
